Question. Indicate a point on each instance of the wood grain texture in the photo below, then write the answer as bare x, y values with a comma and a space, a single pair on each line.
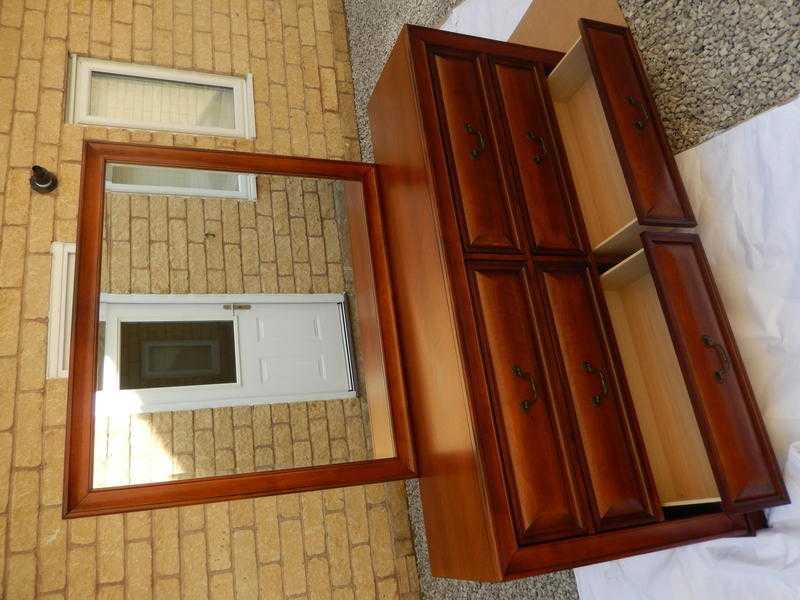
611, 545
601, 187
479, 187
547, 497
494, 510
444, 433
743, 460
671, 436
616, 469
544, 184
655, 184
80, 499
554, 23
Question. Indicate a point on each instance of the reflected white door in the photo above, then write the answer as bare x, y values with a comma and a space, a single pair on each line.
185, 352
297, 349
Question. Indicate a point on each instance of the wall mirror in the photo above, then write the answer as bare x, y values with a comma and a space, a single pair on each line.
234, 333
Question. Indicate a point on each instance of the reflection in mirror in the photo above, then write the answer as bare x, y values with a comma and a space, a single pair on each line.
227, 342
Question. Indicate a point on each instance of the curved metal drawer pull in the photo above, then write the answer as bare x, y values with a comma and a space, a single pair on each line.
475, 152
518, 372
725, 362
538, 158
597, 399
639, 123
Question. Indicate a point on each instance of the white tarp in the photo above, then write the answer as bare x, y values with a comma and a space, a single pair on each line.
765, 567
493, 19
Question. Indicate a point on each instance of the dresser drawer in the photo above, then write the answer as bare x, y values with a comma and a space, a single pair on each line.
536, 160
482, 201
624, 172
619, 478
741, 455
547, 500
702, 430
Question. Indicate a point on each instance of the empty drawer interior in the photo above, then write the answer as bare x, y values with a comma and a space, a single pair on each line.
667, 421
596, 171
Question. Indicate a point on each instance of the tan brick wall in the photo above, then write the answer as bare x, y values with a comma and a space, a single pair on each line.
338, 544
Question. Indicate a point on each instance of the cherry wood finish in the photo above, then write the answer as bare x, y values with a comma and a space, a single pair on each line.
508, 489
445, 432
545, 186
479, 188
744, 464
611, 545
545, 494
375, 313
621, 489
656, 187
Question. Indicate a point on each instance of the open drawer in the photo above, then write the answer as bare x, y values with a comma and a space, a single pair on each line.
624, 172
701, 426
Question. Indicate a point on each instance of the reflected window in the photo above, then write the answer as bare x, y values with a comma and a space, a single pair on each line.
168, 354
170, 181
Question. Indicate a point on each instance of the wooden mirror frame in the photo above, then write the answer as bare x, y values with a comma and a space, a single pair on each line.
375, 313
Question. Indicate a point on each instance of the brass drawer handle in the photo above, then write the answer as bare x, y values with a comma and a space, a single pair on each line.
538, 158
725, 362
597, 399
518, 372
640, 124
475, 152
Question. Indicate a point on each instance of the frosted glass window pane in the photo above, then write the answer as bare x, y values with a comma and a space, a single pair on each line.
176, 181
174, 177
175, 103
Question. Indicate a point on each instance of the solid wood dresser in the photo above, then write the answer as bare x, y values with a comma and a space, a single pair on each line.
575, 387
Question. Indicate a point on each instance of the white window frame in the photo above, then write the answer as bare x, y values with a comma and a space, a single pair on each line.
59, 323
78, 100
246, 181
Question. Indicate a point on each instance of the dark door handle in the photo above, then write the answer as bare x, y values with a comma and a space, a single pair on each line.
640, 124
475, 152
597, 399
724, 361
518, 372
538, 158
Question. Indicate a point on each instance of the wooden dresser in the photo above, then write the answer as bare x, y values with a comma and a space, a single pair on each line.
575, 388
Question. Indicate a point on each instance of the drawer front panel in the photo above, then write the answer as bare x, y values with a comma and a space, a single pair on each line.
612, 451
741, 455
543, 487
540, 166
481, 198
653, 179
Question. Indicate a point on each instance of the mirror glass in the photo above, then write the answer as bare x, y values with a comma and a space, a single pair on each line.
228, 335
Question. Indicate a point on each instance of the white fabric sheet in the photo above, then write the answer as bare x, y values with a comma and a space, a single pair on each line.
765, 567
494, 19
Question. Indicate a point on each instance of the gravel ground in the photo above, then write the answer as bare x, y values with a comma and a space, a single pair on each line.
715, 63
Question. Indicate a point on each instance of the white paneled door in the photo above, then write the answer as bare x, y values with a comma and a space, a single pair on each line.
184, 352
294, 350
